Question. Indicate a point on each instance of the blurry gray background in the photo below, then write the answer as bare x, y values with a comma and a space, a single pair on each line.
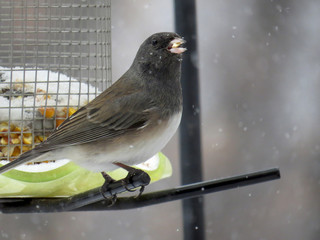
259, 77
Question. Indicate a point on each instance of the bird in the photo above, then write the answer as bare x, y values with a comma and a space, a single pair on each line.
127, 123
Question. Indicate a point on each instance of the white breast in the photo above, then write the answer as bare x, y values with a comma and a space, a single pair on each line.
158, 141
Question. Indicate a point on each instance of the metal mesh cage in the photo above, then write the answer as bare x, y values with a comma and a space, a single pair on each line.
55, 55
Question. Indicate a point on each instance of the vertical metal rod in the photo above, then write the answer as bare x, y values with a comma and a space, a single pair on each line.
190, 142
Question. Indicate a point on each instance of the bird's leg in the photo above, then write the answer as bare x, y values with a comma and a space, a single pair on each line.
105, 187
134, 174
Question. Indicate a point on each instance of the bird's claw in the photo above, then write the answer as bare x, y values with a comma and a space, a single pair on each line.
132, 172
124, 184
112, 199
140, 191
135, 178
105, 188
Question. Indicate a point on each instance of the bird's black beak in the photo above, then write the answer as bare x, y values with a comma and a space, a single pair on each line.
175, 46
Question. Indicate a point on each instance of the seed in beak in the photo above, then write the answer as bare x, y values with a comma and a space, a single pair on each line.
174, 46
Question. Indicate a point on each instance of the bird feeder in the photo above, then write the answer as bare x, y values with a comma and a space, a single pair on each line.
55, 56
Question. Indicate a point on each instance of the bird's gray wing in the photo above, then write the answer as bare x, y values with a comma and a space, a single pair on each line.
103, 118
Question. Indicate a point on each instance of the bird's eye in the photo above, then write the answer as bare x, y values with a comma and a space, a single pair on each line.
154, 42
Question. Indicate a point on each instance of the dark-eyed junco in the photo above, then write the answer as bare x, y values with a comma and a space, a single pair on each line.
130, 121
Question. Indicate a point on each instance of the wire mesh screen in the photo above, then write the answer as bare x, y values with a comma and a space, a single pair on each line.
55, 56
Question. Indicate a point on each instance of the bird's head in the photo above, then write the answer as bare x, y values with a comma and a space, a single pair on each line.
161, 51
166, 43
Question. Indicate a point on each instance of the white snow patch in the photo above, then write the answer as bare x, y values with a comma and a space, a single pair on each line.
61, 89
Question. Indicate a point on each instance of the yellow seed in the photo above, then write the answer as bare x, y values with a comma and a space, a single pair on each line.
42, 138
4, 140
7, 151
27, 140
72, 111
36, 139
47, 112
39, 139
4, 129
17, 129
14, 135
26, 148
15, 140
16, 152
59, 121
39, 90
27, 134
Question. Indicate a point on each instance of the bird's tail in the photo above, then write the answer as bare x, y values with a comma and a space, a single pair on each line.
25, 157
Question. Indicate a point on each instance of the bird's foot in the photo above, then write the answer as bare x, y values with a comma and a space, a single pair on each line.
105, 188
135, 176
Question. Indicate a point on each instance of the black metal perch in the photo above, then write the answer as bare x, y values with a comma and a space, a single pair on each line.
93, 200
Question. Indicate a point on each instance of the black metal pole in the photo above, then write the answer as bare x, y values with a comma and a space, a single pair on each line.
190, 142
92, 200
